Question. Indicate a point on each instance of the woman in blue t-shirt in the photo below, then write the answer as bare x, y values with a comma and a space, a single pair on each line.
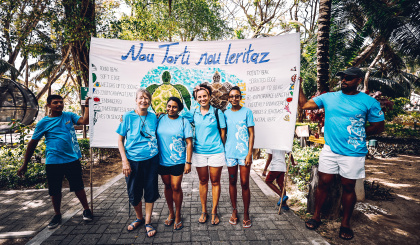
139, 159
209, 153
238, 148
174, 135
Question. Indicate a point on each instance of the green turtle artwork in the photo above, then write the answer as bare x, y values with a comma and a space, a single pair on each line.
161, 93
219, 92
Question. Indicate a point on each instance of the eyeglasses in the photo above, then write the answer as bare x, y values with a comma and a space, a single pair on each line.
235, 96
143, 98
348, 78
145, 134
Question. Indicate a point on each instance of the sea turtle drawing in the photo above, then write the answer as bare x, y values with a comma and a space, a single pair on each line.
242, 133
240, 147
219, 95
177, 145
161, 93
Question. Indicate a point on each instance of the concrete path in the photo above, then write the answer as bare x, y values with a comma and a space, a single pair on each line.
31, 211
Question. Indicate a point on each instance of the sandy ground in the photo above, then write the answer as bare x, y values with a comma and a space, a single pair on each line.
378, 222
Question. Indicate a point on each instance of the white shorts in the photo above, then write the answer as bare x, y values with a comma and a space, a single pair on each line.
211, 160
346, 166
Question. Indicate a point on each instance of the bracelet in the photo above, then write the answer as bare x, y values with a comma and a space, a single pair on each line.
188, 163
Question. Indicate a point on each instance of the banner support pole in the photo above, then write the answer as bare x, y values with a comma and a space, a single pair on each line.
285, 181
91, 185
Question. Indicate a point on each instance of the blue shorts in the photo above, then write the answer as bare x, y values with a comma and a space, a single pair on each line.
232, 162
143, 179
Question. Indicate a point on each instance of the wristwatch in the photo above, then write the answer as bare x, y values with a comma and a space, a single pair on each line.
188, 163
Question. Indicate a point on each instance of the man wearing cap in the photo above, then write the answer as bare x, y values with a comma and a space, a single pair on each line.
346, 114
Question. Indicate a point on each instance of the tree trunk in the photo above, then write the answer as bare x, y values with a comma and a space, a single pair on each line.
332, 204
367, 52
378, 56
323, 45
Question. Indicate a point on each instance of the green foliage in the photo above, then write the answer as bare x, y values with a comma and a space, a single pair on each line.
308, 67
304, 158
184, 20
313, 127
401, 130
84, 148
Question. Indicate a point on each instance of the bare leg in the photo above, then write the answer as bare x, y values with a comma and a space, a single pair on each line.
321, 194
177, 196
81, 195
203, 175
246, 193
215, 173
233, 177
348, 201
56, 202
273, 186
149, 210
139, 215
166, 179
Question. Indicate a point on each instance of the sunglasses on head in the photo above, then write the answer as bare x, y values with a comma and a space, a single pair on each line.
348, 78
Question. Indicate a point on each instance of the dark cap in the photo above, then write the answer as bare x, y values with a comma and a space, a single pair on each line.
352, 71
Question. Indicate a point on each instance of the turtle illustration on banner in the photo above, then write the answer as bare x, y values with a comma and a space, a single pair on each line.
219, 92
161, 93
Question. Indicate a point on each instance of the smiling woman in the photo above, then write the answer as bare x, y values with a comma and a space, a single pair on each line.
139, 158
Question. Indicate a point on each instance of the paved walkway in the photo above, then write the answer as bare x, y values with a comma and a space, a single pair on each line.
31, 211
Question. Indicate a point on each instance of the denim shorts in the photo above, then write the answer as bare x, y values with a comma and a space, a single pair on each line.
143, 179
56, 172
232, 162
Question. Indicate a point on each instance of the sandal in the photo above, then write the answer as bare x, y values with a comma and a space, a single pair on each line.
141, 221
168, 222
346, 231
247, 223
148, 231
213, 222
177, 227
315, 224
206, 215
233, 221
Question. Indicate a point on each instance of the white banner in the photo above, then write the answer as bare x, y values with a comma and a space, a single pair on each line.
266, 70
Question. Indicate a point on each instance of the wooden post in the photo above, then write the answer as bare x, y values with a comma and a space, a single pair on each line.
285, 181
91, 185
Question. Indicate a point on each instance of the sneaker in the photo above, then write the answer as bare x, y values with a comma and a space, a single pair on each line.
285, 198
87, 215
56, 220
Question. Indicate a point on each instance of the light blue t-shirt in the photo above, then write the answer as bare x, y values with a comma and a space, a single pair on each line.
237, 141
345, 120
171, 135
138, 147
207, 138
60, 138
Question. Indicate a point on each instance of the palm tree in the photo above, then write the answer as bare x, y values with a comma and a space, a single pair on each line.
323, 64
381, 35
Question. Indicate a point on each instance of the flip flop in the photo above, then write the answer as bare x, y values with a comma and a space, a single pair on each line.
168, 222
148, 231
207, 217
213, 223
141, 221
233, 221
179, 228
247, 223
346, 230
315, 224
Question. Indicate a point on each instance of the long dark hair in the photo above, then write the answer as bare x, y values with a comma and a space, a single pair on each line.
178, 101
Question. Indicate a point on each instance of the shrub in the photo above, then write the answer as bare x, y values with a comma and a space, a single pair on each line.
304, 158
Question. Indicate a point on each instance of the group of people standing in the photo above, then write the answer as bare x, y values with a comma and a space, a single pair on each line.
163, 144
152, 145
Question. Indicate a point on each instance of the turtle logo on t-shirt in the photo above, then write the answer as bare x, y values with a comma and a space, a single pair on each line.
356, 130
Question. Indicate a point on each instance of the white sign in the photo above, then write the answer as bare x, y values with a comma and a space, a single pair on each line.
265, 69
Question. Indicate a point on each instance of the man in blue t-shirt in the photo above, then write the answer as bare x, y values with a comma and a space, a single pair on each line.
62, 154
346, 114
